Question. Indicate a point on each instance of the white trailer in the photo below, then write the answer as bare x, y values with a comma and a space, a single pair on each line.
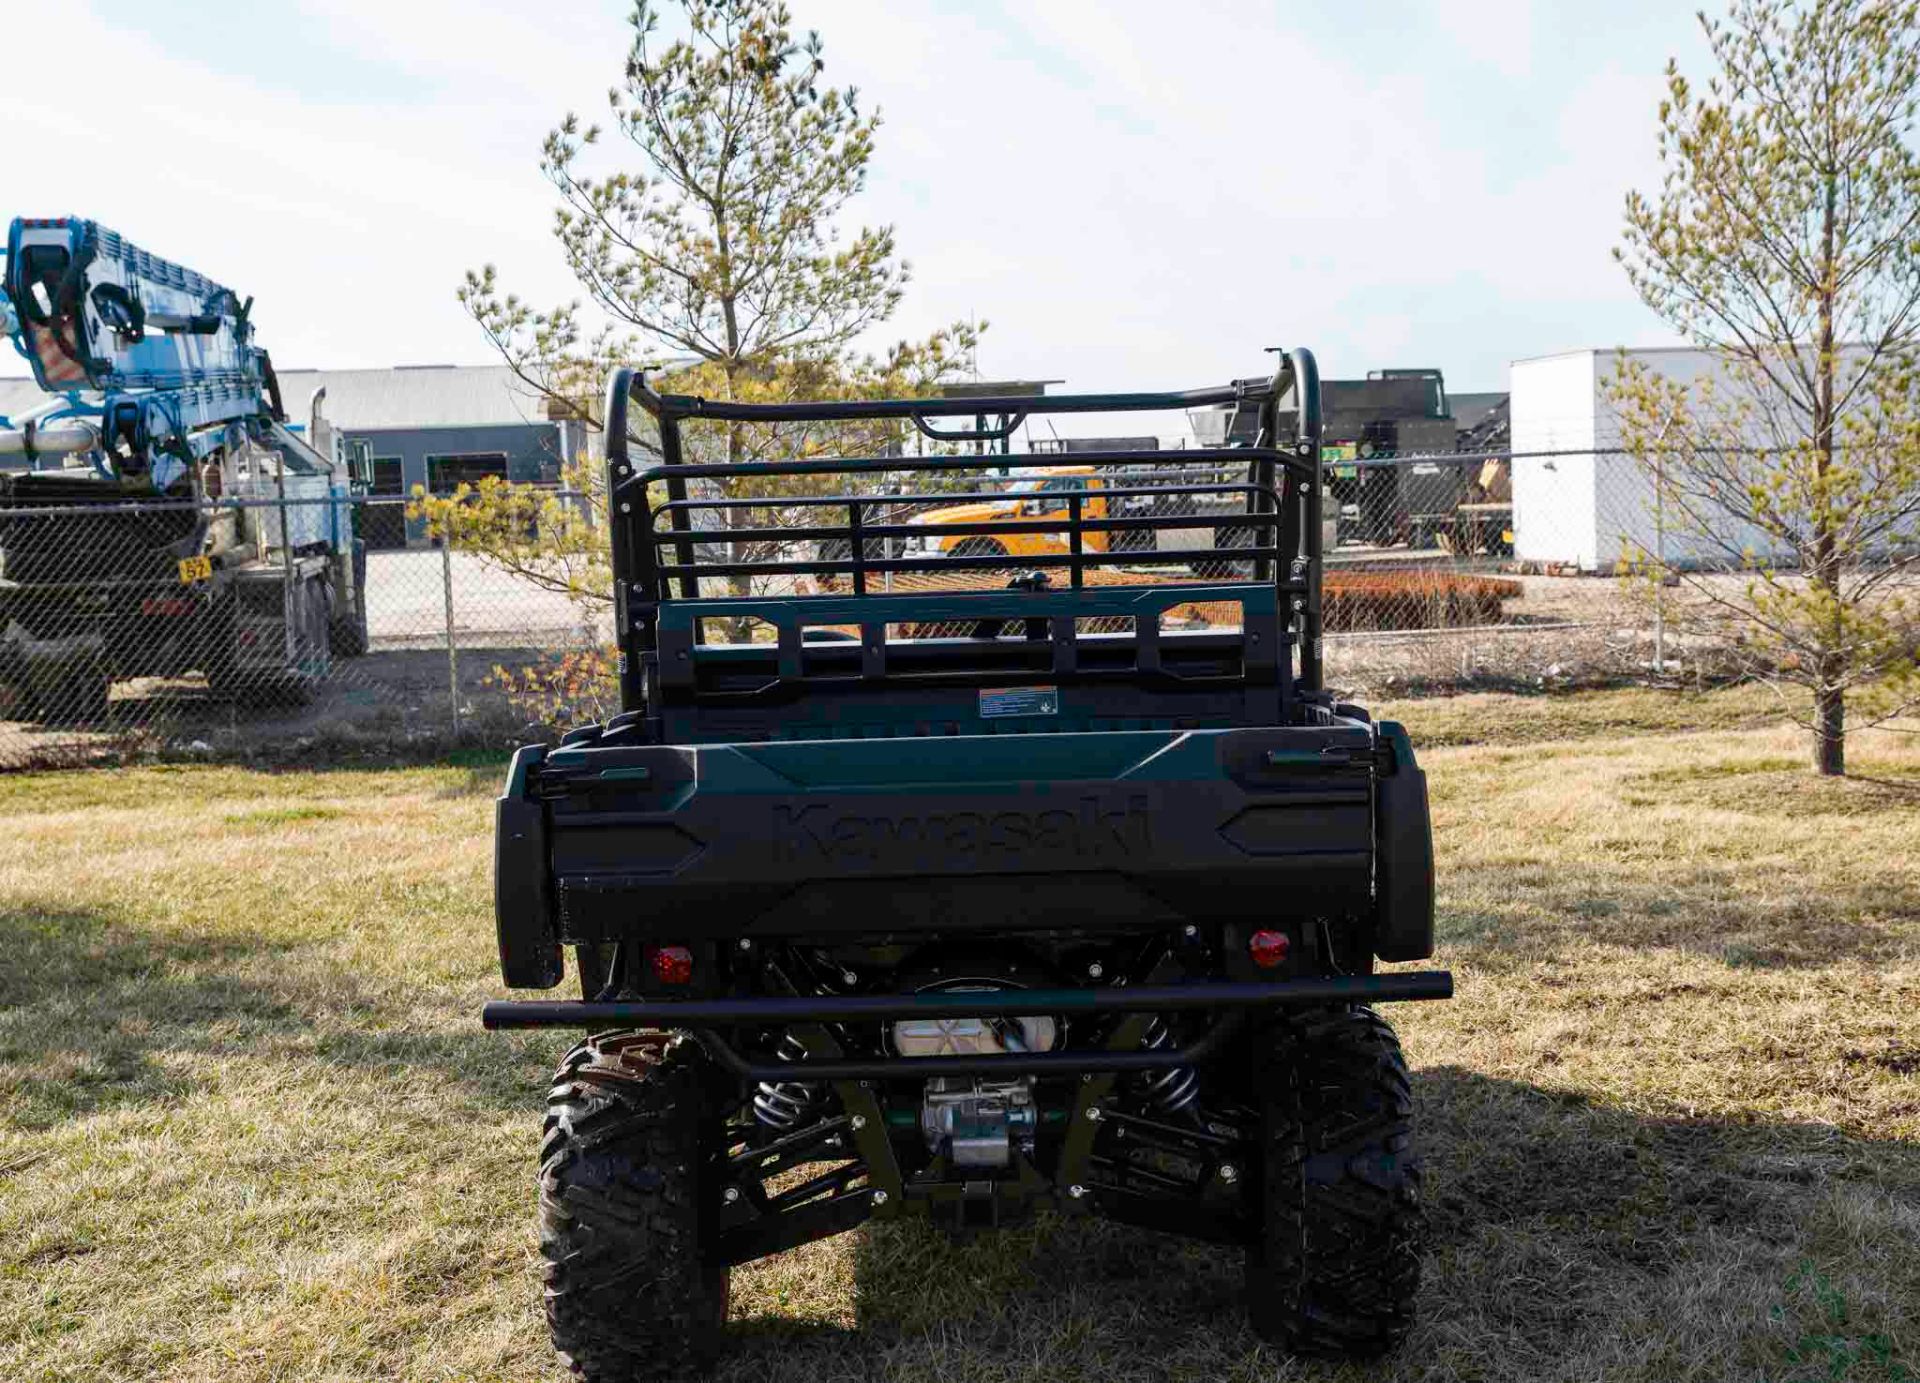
1577, 501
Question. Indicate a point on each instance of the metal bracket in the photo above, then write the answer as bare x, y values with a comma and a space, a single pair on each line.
1009, 424
868, 1122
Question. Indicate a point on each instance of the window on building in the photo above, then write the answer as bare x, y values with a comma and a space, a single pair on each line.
447, 473
383, 521
386, 476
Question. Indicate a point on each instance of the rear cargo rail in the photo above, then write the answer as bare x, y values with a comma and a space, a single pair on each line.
695, 554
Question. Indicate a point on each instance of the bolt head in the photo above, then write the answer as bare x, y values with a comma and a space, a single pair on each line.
859, 1121
1096, 970
1190, 931
848, 978
745, 944
732, 1195
1094, 1115
1076, 1191
1229, 1173
879, 1196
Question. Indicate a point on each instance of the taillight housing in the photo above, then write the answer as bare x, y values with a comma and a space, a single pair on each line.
1268, 948
671, 964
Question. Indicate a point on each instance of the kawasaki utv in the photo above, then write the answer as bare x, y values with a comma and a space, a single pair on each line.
966, 887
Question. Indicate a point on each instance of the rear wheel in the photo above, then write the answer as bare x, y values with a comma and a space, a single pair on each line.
979, 547
629, 1203
71, 691
1336, 1266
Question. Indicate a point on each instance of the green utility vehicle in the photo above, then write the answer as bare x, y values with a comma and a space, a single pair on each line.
874, 922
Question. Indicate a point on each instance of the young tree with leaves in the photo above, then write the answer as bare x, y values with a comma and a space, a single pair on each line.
1785, 240
717, 251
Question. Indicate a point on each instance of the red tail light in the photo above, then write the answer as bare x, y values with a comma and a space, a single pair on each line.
672, 964
1268, 949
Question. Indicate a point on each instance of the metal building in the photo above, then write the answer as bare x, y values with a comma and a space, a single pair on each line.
426, 426
432, 427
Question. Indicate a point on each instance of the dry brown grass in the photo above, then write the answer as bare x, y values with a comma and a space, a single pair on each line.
249, 1128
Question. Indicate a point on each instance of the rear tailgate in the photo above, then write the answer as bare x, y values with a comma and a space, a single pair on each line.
1120, 829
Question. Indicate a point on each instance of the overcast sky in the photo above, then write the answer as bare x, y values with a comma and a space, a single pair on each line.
1135, 193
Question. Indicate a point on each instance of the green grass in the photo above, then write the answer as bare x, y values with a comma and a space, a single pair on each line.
250, 1129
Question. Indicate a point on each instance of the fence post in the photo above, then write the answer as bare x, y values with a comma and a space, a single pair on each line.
1659, 563
289, 615
453, 655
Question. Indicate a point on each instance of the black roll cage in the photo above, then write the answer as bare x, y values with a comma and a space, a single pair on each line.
1290, 559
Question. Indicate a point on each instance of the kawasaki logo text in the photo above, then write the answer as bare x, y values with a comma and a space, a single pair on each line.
1092, 829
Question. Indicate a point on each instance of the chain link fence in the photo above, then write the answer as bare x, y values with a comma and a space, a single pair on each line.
112, 641
1432, 576
117, 636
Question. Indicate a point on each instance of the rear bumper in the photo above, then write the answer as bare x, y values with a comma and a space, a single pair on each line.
992, 1003
1230, 1001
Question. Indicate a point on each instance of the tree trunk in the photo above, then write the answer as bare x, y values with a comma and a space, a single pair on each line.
1830, 711
739, 628
1830, 731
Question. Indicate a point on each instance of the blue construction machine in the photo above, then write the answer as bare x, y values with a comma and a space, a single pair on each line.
158, 515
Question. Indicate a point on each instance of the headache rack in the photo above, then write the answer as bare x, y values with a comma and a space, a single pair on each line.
831, 557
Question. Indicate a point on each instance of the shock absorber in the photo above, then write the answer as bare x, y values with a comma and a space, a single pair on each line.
1173, 1088
784, 1105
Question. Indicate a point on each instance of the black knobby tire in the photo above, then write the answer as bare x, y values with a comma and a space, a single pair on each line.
629, 1200
1336, 1264
979, 547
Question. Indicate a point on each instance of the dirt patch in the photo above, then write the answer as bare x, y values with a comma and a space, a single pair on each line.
1898, 1058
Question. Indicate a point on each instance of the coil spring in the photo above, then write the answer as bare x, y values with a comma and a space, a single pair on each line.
1173, 1089
785, 1104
